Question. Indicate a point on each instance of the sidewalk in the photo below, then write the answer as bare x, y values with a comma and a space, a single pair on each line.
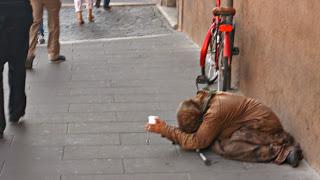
85, 117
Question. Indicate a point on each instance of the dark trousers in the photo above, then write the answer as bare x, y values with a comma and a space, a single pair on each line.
106, 3
14, 45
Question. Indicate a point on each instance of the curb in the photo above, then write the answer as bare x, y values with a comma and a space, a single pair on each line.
169, 14
116, 4
109, 39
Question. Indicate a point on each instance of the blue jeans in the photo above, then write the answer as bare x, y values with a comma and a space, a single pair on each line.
106, 3
41, 30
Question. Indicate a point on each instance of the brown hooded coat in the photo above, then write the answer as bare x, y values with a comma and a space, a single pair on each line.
236, 127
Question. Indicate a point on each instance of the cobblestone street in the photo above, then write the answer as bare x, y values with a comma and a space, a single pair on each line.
121, 21
85, 117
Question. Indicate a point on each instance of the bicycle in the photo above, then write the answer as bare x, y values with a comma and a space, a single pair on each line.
218, 48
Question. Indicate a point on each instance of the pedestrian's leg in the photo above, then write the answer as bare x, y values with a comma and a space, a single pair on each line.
17, 71
90, 13
41, 34
2, 116
53, 8
3, 58
78, 8
97, 4
106, 4
37, 13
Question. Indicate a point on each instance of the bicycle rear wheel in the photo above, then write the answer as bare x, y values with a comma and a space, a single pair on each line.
211, 67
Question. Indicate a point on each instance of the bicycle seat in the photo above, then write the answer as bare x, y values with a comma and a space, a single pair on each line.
223, 11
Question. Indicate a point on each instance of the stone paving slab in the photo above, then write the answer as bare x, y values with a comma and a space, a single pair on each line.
142, 116
27, 129
41, 99
69, 140
150, 98
123, 151
251, 176
47, 108
193, 164
16, 153
6, 141
29, 176
152, 83
115, 107
69, 117
140, 139
107, 127
130, 177
65, 167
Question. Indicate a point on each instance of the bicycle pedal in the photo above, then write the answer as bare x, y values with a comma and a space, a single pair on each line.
202, 79
235, 51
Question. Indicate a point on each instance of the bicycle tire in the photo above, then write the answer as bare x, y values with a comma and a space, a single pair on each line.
211, 70
226, 75
224, 71
232, 37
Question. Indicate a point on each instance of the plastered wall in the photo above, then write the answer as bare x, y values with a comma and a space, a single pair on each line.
279, 61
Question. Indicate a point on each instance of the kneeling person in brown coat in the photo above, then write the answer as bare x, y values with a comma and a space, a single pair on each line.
234, 126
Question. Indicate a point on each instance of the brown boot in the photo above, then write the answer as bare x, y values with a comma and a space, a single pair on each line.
29, 62
90, 15
79, 18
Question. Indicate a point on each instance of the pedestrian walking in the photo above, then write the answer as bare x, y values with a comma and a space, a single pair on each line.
106, 5
53, 9
78, 7
14, 45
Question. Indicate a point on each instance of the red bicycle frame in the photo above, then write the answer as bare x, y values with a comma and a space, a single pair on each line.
227, 46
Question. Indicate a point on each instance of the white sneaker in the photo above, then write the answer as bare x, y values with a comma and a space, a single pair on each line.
41, 39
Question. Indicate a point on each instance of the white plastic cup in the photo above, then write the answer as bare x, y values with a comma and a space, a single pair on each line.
152, 119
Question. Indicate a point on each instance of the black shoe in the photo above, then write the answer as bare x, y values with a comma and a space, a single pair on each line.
58, 59
15, 119
97, 4
294, 157
107, 8
29, 62
1, 135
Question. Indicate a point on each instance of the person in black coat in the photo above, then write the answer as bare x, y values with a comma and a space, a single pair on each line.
15, 22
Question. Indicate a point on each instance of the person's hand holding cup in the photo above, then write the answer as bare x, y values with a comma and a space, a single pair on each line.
155, 124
